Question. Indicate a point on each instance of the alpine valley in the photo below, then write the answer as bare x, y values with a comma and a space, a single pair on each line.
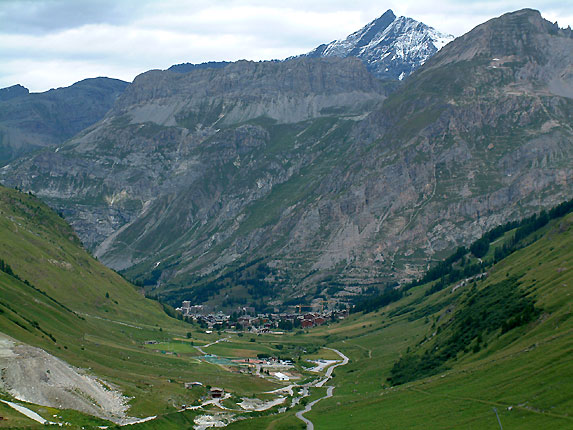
414, 186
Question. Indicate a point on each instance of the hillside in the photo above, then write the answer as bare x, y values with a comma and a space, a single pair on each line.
72, 331
522, 370
186, 146
41, 248
297, 181
519, 365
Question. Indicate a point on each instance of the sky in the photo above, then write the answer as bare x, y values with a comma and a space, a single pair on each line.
53, 43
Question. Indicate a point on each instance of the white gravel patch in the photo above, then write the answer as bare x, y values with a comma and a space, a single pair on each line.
260, 405
321, 365
32, 375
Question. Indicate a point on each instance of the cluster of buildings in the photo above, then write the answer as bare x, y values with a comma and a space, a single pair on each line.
244, 318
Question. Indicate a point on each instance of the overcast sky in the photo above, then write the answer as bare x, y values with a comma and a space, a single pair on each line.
52, 43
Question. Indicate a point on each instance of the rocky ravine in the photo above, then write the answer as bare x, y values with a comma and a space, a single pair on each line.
307, 168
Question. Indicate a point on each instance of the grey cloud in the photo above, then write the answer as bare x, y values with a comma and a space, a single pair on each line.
38, 17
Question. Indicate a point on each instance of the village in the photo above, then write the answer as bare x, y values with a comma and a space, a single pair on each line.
293, 369
246, 319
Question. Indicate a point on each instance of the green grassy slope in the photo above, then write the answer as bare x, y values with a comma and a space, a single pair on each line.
526, 372
42, 248
57, 301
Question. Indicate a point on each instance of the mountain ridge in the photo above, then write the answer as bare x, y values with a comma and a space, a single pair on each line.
31, 121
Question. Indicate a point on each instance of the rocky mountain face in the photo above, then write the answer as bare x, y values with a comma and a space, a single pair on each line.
286, 92
29, 121
180, 153
391, 47
262, 182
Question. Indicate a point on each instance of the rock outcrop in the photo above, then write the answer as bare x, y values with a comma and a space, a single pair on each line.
32, 375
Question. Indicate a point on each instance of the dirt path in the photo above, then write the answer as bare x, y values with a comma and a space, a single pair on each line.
113, 321
329, 389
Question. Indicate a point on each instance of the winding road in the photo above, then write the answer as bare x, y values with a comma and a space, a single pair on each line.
200, 348
329, 389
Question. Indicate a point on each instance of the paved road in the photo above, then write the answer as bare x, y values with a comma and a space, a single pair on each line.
200, 348
345, 361
329, 389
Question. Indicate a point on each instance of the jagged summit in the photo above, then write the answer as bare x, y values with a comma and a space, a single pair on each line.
392, 47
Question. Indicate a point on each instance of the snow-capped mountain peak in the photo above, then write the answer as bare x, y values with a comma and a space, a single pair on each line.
392, 47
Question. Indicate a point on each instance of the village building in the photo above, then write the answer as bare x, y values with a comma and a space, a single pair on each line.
281, 376
245, 321
319, 321
216, 393
189, 385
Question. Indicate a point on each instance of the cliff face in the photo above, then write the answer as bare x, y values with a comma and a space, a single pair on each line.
30, 121
287, 92
309, 167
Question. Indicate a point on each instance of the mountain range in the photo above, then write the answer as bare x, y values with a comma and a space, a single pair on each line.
280, 182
